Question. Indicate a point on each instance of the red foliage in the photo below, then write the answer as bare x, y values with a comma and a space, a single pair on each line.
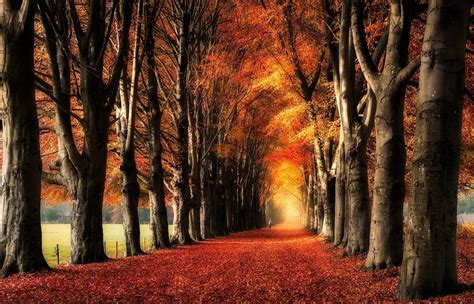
282, 264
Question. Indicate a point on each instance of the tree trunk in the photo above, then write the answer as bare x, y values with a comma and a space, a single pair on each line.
329, 210
127, 117
156, 190
429, 259
358, 199
205, 202
339, 208
195, 199
319, 211
180, 182
20, 230
87, 243
388, 87
195, 223
130, 199
156, 186
386, 230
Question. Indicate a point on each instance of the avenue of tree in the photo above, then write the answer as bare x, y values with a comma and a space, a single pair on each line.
184, 103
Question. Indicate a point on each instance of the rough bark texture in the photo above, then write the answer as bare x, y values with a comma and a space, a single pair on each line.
20, 225
429, 257
126, 113
205, 214
355, 135
130, 198
388, 87
156, 187
358, 200
339, 205
329, 210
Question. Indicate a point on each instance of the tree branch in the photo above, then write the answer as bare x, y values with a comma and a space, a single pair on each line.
53, 178
408, 71
360, 44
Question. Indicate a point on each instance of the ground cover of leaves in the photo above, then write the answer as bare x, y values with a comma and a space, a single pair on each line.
282, 264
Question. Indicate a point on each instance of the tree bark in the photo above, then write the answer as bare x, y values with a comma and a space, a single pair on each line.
126, 122
130, 199
429, 257
180, 181
156, 186
20, 224
340, 200
385, 247
205, 214
355, 135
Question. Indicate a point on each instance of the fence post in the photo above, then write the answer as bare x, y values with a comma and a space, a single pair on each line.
116, 249
57, 252
105, 248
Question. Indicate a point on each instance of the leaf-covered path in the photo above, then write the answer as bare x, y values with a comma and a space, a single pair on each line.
284, 263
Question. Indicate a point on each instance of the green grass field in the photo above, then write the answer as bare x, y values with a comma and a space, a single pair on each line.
60, 234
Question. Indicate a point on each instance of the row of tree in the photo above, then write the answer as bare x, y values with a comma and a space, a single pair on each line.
370, 96
149, 80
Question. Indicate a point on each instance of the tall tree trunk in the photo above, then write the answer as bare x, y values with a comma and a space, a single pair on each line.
386, 230
195, 193
87, 244
329, 210
355, 136
429, 257
180, 185
180, 181
385, 247
205, 202
156, 186
130, 199
339, 210
127, 117
20, 224
358, 199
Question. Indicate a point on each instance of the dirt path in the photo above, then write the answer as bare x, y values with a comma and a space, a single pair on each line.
284, 263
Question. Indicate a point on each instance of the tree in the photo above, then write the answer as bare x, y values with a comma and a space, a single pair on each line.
429, 257
184, 24
352, 214
154, 114
20, 223
388, 87
83, 172
127, 112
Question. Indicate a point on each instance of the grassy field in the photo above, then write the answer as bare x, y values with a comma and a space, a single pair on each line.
60, 234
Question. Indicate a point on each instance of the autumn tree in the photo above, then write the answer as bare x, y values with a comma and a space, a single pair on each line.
388, 87
429, 258
154, 121
20, 225
82, 171
184, 25
126, 112
352, 215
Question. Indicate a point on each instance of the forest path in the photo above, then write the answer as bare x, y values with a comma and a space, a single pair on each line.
285, 263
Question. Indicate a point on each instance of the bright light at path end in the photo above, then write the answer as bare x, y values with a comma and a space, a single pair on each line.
291, 211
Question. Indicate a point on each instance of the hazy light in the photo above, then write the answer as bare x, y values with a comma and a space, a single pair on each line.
292, 212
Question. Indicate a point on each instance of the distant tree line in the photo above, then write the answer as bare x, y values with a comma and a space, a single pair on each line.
110, 215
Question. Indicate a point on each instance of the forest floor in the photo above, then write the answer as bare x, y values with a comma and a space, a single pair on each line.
282, 264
